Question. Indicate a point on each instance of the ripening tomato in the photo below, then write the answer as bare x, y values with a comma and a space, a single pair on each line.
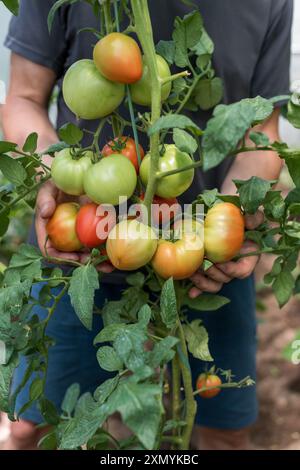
179, 259
88, 94
163, 210
224, 229
118, 58
173, 185
61, 228
141, 90
124, 146
68, 171
111, 178
131, 245
208, 380
93, 224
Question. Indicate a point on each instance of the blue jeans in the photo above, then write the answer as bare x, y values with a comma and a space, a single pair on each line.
232, 333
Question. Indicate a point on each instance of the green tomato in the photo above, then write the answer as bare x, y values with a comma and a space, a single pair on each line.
67, 172
108, 180
172, 159
141, 90
88, 94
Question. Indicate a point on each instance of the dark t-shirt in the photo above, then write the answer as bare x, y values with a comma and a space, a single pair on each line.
252, 50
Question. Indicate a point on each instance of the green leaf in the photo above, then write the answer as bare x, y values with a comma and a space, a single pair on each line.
224, 131
184, 141
136, 279
274, 205
292, 351
167, 50
206, 302
55, 148
12, 170
6, 375
7, 147
30, 144
208, 93
36, 388
108, 359
163, 351
129, 345
186, 35
252, 192
25, 255
259, 139
82, 288
105, 389
48, 411
48, 442
168, 304
109, 333
12, 5
204, 46
70, 134
4, 224
179, 121
293, 115
197, 340
283, 287
70, 398
263, 108
54, 9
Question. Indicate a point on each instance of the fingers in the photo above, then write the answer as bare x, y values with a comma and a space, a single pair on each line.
105, 267
252, 221
46, 200
206, 284
243, 267
194, 292
217, 275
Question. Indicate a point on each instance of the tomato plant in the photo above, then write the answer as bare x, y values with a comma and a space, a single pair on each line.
93, 224
141, 90
223, 232
126, 146
61, 227
118, 58
111, 178
67, 171
88, 94
208, 380
131, 245
179, 259
172, 159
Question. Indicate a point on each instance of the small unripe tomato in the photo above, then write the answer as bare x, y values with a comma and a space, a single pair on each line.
93, 224
131, 245
124, 146
224, 229
61, 228
208, 380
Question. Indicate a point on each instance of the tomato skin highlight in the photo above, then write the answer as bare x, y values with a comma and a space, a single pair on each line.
88, 94
208, 380
179, 259
61, 228
141, 90
131, 245
224, 229
124, 146
87, 225
173, 185
118, 58
107, 180
68, 173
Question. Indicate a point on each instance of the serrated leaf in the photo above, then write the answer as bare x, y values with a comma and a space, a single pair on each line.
163, 351
70, 133
187, 32
109, 333
208, 93
252, 193
30, 144
184, 141
82, 288
168, 304
204, 46
108, 359
179, 121
70, 398
206, 302
283, 287
105, 389
259, 138
136, 279
167, 50
12, 170
197, 340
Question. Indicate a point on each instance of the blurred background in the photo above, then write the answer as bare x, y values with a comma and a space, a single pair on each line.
278, 426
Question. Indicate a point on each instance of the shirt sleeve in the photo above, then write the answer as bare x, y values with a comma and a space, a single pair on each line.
29, 37
272, 73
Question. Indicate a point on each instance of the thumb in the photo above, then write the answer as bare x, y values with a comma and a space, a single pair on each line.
46, 200
252, 221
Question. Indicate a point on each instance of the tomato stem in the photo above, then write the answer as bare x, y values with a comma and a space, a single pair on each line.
174, 77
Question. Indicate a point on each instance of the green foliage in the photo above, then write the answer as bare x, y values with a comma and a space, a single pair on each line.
12, 5
83, 284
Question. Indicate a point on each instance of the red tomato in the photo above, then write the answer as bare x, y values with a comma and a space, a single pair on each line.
61, 228
93, 224
125, 146
208, 380
163, 210
224, 228
118, 58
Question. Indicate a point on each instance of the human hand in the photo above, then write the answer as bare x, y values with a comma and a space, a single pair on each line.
213, 278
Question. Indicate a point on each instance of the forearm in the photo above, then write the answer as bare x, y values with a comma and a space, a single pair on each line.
266, 165
22, 116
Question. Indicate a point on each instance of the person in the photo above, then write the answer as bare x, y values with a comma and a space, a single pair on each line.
252, 54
